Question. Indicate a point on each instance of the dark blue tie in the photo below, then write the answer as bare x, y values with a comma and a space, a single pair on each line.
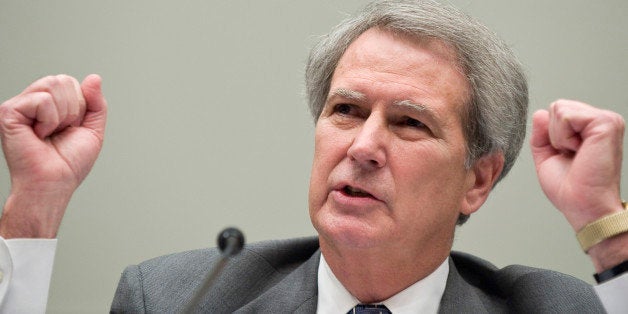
369, 309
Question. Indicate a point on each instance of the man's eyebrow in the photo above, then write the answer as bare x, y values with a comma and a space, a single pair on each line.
347, 93
418, 108
414, 106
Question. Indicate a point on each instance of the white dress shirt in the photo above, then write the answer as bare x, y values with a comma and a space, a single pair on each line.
25, 271
421, 297
614, 294
424, 296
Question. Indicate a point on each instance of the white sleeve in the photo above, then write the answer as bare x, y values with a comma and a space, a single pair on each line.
25, 271
613, 294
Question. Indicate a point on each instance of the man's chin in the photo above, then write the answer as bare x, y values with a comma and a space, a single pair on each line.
350, 234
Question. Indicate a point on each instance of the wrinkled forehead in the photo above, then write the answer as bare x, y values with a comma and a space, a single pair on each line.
450, 54
442, 52
441, 47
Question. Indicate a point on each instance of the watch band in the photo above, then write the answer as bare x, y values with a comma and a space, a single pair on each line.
611, 273
603, 228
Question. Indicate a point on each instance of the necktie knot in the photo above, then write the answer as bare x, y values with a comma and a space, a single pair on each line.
370, 309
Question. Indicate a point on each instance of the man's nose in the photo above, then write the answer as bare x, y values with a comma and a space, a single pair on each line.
368, 146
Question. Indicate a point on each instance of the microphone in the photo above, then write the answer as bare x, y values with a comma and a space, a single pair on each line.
230, 242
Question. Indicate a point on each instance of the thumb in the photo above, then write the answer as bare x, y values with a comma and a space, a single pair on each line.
96, 105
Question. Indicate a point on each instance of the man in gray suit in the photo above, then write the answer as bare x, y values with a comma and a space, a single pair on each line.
419, 112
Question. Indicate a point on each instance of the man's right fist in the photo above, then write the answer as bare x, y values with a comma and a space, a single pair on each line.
51, 135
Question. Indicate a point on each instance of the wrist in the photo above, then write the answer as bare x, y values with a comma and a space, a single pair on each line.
609, 253
605, 240
603, 228
32, 216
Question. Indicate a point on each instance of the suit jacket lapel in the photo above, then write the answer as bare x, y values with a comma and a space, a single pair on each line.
296, 293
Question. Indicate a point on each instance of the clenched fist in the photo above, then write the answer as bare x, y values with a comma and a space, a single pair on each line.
577, 151
51, 135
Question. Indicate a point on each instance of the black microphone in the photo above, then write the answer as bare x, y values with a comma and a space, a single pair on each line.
230, 242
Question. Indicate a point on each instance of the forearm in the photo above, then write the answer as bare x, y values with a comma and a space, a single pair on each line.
30, 214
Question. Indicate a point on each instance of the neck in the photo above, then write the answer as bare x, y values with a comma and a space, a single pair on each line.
393, 270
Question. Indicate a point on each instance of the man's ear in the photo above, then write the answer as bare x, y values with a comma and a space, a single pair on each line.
482, 176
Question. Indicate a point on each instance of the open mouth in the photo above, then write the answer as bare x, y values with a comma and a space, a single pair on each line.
355, 192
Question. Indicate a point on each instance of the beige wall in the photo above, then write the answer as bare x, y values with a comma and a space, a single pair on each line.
208, 125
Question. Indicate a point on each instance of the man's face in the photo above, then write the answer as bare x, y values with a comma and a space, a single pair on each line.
389, 154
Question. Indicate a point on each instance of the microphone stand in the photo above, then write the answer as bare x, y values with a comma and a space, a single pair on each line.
230, 242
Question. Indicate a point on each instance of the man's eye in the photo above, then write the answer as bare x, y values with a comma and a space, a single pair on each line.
414, 123
343, 109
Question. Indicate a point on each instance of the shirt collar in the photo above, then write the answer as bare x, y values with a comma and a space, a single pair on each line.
421, 297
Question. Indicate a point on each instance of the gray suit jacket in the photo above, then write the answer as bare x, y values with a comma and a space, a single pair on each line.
281, 277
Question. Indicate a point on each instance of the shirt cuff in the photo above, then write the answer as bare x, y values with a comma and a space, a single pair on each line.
612, 293
29, 280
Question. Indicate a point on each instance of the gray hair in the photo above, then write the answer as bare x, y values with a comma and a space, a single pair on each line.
495, 117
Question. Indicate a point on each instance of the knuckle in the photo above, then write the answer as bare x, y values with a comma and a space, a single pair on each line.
612, 122
560, 110
48, 83
52, 80
66, 79
71, 117
48, 78
62, 77
560, 103
42, 98
618, 121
